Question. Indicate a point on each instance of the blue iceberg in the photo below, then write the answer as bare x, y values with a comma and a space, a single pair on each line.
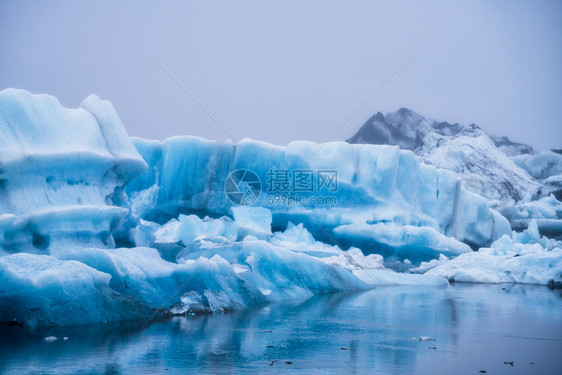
96, 226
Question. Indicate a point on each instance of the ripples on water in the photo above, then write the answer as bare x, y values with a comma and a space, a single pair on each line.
472, 328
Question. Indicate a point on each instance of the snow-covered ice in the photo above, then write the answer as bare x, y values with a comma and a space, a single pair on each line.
542, 165
479, 159
483, 167
528, 258
546, 212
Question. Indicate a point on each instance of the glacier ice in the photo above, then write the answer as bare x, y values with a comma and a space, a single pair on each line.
43, 290
187, 228
480, 160
252, 221
544, 208
484, 169
47, 194
375, 184
528, 258
542, 165
401, 242
546, 212
94, 284
97, 227
551, 185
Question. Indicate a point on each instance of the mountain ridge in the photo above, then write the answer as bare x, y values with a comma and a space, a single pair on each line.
482, 161
406, 128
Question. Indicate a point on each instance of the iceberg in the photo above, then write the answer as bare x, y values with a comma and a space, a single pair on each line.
551, 185
62, 172
545, 212
375, 184
43, 290
528, 258
252, 221
89, 285
188, 228
542, 165
97, 227
401, 242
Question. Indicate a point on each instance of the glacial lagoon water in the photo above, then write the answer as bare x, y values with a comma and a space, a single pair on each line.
465, 329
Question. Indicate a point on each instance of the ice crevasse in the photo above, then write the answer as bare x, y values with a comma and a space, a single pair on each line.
74, 186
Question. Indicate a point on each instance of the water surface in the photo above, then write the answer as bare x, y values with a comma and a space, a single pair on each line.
472, 328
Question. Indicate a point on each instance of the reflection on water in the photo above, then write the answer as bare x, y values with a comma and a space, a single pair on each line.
472, 328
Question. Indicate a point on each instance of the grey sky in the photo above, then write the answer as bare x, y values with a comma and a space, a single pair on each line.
288, 70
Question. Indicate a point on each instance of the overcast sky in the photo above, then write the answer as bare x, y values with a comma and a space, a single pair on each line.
289, 70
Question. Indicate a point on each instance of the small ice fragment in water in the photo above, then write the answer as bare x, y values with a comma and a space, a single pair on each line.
65, 338
50, 338
265, 291
423, 338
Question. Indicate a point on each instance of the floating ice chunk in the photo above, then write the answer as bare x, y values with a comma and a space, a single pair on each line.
501, 226
475, 223
387, 277
255, 221
294, 234
353, 259
144, 233
546, 211
390, 240
422, 338
542, 165
188, 228
93, 285
42, 290
505, 262
426, 266
505, 207
169, 232
298, 238
51, 338
530, 235
544, 208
